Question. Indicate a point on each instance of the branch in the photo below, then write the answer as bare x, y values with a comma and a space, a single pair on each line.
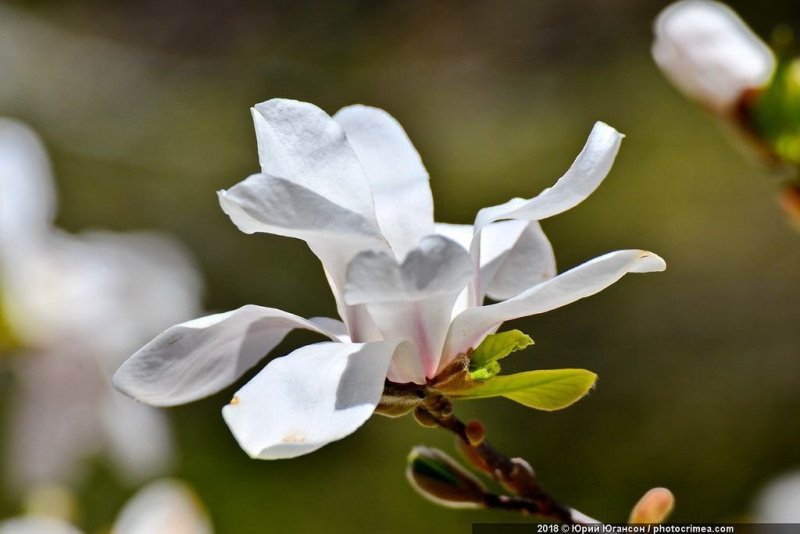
513, 473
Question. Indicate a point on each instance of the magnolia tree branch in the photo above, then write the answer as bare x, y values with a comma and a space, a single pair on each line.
513, 473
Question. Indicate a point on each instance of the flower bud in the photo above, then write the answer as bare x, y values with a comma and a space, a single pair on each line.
789, 200
654, 507
710, 54
438, 478
424, 418
475, 432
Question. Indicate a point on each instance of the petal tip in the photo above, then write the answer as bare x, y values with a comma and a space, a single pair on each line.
649, 262
120, 382
125, 381
603, 128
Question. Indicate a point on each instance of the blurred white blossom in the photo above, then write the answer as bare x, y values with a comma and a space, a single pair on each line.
409, 292
75, 306
709, 53
161, 507
779, 501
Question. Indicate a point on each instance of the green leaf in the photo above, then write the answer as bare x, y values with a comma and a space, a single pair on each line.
483, 361
547, 389
485, 373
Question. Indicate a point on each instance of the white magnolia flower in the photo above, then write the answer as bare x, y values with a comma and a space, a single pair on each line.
709, 53
161, 507
77, 305
409, 291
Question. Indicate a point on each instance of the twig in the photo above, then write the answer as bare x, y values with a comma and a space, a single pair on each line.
513, 473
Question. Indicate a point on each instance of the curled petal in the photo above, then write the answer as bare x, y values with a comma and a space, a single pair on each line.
335, 233
472, 325
518, 256
334, 327
581, 179
317, 394
265, 203
399, 181
514, 255
195, 359
709, 53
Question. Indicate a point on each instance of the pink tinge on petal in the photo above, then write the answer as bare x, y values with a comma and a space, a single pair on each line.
430, 361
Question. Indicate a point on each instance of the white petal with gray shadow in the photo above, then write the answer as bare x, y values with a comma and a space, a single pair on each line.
315, 395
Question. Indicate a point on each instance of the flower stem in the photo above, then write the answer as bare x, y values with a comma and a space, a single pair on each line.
513, 473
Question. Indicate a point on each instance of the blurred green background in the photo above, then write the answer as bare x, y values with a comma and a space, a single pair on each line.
144, 108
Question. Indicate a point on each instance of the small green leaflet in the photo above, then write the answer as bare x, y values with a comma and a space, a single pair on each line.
776, 111
486, 372
547, 389
483, 361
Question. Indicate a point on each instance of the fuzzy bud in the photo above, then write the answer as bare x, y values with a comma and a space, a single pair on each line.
438, 478
654, 507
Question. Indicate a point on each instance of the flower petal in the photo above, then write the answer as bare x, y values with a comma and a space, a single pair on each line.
317, 394
195, 359
469, 328
412, 300
709, 53
165, 506
334, 327
519, 255
514, 255
581, 179
301, 143
460, 233
27, 195
399, 181
437, 266
406, 366
264, 203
